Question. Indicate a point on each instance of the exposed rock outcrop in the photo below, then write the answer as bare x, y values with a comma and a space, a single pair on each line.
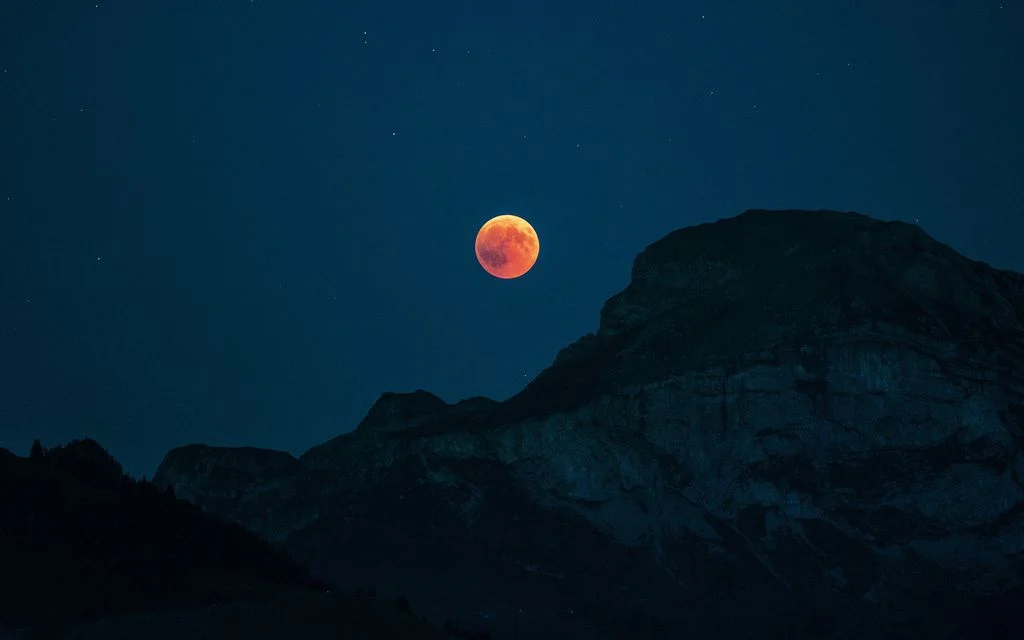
784, 411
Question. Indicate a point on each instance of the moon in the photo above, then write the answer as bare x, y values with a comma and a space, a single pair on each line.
507, 246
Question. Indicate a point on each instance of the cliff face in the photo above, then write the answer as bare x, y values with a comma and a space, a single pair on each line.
815, 404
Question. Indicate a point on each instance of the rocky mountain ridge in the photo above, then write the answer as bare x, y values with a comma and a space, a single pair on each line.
812, 403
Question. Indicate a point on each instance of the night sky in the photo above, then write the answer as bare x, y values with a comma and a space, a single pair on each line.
238, 222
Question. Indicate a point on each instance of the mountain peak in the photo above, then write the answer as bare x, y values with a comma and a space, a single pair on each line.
399, 410
792, 257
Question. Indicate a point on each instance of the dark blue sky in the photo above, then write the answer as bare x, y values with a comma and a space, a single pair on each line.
239, 222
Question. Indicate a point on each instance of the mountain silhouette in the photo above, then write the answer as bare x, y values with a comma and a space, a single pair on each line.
88, 552
790, 424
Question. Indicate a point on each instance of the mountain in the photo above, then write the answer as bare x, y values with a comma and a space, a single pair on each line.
87, 552
790, 424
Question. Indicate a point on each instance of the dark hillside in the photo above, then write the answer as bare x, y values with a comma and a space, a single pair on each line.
79, 539
89, 552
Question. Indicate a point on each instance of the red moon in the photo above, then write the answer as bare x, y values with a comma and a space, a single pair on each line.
507, 246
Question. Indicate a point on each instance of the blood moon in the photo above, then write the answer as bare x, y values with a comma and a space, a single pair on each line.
507, 246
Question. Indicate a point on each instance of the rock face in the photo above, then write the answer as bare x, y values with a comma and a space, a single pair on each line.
790, 423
